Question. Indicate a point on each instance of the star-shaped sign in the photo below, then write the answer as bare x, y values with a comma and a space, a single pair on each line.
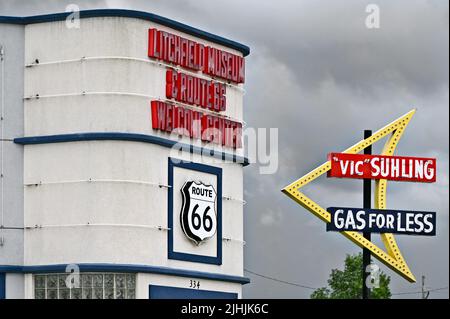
392, 257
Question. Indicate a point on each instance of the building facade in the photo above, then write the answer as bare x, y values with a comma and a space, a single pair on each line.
121, 158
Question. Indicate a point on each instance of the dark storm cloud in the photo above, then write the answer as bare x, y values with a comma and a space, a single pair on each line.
320, 76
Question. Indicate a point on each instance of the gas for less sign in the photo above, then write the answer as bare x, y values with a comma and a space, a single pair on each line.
382, 221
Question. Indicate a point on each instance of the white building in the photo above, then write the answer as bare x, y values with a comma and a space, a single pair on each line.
87, 180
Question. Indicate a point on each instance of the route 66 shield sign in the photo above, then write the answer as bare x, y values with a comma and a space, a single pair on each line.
198, 213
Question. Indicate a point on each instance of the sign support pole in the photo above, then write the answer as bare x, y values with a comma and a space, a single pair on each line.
367, 203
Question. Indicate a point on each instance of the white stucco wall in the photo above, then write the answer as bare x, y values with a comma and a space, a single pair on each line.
64, 200
11, 154
15, 286
98, 78
138, 79
114, 203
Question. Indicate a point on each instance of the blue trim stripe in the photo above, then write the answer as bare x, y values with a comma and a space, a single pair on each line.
116, 136
61, 268
2, 285
165, 292
245, 50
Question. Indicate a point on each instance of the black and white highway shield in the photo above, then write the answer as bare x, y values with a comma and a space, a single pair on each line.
198, 213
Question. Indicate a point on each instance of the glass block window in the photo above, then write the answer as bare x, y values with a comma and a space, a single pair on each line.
92, 286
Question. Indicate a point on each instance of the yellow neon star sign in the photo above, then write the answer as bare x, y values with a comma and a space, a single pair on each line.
392, 256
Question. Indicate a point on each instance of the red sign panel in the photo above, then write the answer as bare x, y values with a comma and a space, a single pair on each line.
193, 90
396, 168
196, 91
183, 121
195, 56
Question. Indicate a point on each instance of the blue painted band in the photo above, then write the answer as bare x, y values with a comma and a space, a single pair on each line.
115, 136
245, 50
61, 268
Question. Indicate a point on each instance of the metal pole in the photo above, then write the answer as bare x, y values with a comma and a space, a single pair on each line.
425, 293
367, 203
423, 287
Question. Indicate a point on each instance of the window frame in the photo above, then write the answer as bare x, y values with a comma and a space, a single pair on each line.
91, 287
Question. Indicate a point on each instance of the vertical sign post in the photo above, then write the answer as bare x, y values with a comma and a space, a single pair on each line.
367, 203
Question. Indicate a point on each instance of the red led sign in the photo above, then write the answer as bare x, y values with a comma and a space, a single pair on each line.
192, 90
195, 56
210, 128
199, 95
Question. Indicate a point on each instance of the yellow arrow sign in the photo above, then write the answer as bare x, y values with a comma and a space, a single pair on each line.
392, 256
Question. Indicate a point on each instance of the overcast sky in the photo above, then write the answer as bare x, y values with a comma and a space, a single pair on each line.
319, 75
